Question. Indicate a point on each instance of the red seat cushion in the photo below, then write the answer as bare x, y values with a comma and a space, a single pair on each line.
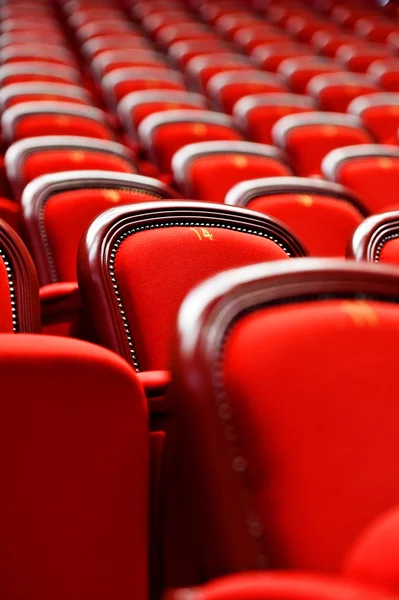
39, 125
383, 122
319, 140
390, 252
325, 225
312, 402
368, 176
55, 161
213, 176
124, 87
188, 256
169, 138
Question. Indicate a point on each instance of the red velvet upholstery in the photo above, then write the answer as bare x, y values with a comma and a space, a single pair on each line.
373, 558
335, 92
145, 82
258, 114
75, 469
380, 114
209, 176
270, 56
274, 416
10, 212
279, 586
324, 224
318, 139
367, 176
58, 160
359, 58
34, 125
227, 88
170, 135
386, 74
298, 72
201, 243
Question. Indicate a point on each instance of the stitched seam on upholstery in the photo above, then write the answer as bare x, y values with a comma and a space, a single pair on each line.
225, 412
42, 227
130, 232
11, 286
382, 243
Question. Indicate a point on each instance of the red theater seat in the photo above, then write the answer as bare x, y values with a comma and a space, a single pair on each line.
278, 586
95, 29
201, 69
32, 157
319, 133
250, 38
29, 52
162, 134
182, 52
370, 171
58, 207
328, 43
173, 246
96, 46
229, 25
335, 91
15, 93
297, 72
33, 119
303, 28
141, 10
75, 459
323, 215
386, 74
37, 72
207, 170
358, 58
134, 107
259, 384
225, 89
375, 30
377, 239
380, 114
121, 59
19, 288
117, 84
153, 24
270, 56
255, 115
348, 15
182, 33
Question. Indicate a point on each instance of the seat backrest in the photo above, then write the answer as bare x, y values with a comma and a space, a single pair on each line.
366, 170
75, 469
201, 69
137, 263
37, 52
37, 72
57, 209
120, 59
377, 239
297, 72
162, 134
32, 157
120, 82
255, 115
358, 58
182, 52
323, 215
208, 170
270, 56
386, 74
35, 119
96, 46
270, 389
15, 93
134, 107
319, 133
225, 89
380, 114
19, 287
335, 91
